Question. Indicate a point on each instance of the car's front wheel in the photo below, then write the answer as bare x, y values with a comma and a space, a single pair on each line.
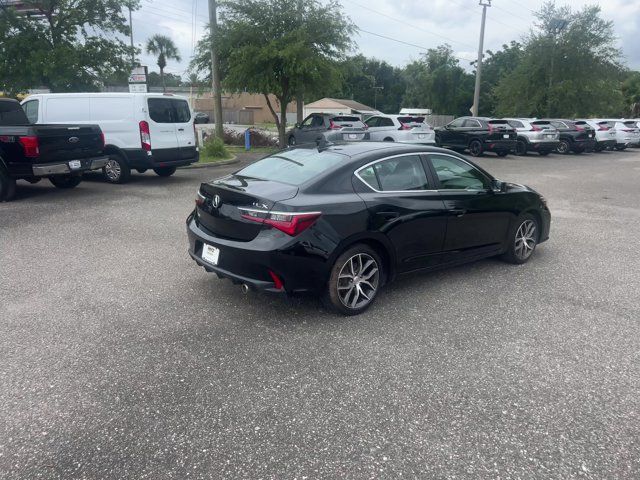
165, 171
355, 280
563, 147
521, 148
523, 239
66, 181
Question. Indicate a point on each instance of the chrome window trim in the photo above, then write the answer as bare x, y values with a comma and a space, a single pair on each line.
413, 154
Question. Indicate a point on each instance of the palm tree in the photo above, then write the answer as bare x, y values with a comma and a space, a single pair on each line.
164, 47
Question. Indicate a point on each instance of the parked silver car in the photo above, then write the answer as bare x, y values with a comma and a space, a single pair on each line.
400, 128
605, 133
534, 135
331, 127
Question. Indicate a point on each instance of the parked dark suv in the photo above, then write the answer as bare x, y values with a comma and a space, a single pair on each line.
576, 137
478, 135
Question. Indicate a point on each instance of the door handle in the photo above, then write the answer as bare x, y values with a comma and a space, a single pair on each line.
457, 212
181, 129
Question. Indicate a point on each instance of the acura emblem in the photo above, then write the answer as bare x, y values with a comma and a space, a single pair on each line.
217, 201
74, 139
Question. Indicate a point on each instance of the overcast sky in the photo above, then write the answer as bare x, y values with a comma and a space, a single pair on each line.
425, 24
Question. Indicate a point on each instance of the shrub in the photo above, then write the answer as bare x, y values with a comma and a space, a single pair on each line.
214, 147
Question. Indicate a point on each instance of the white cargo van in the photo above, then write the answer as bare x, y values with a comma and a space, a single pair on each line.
142, 130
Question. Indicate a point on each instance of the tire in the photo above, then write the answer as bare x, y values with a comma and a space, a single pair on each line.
65, 181
165, 171
388, 139
7, 186
521, 148
141, 170
475, 148
523, 239
116, 170
502, 153
563, 147
620, 147
291, 141
598, 148
347, 297
544, 153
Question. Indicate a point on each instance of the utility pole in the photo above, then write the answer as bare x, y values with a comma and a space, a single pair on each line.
476, 93
215, 71
133, 53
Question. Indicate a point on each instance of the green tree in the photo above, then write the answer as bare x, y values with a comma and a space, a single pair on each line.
165, 49
570, 66
66, 45
279, 47
437, 81
495, 66
631, 92
170, 80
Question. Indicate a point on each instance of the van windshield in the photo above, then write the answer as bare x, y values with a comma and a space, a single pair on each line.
294, 167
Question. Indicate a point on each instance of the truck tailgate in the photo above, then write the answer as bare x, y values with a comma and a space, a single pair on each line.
68, 142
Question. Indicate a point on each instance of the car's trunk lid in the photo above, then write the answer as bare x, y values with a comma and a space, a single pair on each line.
224, 201
501, 130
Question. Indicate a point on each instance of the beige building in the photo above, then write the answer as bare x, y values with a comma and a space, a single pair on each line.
243, 108
339, 107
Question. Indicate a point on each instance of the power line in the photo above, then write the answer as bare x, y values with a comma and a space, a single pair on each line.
410, 25
528, 20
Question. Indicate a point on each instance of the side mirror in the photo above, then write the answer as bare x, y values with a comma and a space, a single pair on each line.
497, 186
297, 125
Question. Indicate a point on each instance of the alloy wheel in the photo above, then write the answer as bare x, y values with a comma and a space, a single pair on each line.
358, 281
563, 147
112, 169
525, 241
475, 148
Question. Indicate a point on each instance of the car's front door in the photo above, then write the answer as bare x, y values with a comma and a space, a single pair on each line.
405, 206
303, 131
449, 135
478, 217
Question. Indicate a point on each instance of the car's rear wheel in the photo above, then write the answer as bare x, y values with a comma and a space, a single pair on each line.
65, 181
291, 141
165, 171
521, 147
388, 139
523, 239
7, 186
475, 148
563, 147
355, 280
116, 169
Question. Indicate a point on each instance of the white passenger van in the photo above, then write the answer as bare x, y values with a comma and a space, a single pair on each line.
142, 130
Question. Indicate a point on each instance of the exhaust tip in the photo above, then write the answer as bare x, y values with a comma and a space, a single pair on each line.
245, 288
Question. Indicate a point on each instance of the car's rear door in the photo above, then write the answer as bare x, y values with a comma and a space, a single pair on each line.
478, 218
184, 128
405, 206
162, 129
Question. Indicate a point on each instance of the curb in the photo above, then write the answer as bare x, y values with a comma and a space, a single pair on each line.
222, 163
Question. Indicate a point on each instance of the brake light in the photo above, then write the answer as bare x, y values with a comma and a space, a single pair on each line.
581, 129
535, 128
602, 128
333, 126
290, 223
102, 139
145, 136
404, 126
490, 128
31, 146
628, 130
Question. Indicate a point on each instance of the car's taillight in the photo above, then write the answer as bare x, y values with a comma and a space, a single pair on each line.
490, 128
579, 128
535, 128
628, 130
102, 140
404, 126
602, 128
145, 136
31, 146
333, 126
292, 223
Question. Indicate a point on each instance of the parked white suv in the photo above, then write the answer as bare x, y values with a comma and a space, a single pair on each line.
534, 135
627, 132
400, 128
142, 130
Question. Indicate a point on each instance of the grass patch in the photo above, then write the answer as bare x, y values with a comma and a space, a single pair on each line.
237, 150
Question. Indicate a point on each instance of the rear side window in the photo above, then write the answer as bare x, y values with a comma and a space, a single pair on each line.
472, 123
160, 110
31, 110
396, 174
294, 167
182, 112
558, 124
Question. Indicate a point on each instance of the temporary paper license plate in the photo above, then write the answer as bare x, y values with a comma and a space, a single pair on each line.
422, 135
210, 254
352, 136
75, 164
549, 135
506, 135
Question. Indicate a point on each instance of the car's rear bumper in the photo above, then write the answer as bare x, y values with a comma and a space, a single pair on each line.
159, 158
499, 145
543, 145
68, 167
250, 262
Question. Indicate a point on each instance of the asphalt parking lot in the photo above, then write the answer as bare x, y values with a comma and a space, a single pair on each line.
120, 358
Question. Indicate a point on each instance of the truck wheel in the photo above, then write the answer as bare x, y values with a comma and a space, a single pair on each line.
116, 170
165, 171
7, 186
66, 181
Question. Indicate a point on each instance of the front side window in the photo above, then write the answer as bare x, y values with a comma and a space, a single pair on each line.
454, 174
395, 174
373, 121
307, 121
31, 111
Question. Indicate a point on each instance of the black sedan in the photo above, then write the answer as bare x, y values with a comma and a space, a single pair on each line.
344, 219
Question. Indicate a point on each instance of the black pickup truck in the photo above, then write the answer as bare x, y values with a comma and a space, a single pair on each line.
32, 152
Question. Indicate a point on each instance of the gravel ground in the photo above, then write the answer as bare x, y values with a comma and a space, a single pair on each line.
120, 358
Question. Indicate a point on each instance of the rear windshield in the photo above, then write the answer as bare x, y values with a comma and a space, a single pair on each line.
541, 122
411, 119
11, 113
294, 167
345, 119
630, 124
